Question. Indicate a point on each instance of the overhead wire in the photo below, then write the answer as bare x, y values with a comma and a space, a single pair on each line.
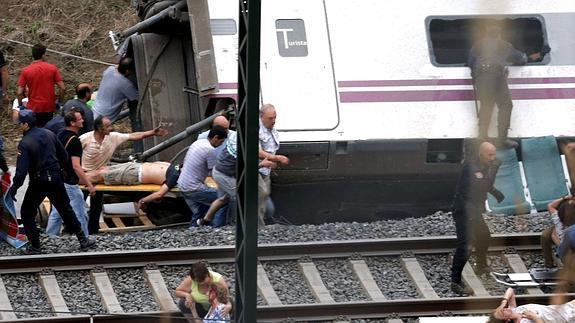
59, 52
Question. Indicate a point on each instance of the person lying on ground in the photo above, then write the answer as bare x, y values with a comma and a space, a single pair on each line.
508, 311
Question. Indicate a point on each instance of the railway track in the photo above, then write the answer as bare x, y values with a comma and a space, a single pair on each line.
304, 256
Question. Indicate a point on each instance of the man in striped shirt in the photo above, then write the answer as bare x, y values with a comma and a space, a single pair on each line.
198, 164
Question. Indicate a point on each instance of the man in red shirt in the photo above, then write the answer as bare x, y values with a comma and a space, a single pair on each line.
40, 77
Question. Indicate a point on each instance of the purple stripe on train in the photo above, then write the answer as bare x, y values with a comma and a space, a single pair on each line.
450, 95
431, 82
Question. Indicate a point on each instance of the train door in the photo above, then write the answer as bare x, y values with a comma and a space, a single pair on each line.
296, 65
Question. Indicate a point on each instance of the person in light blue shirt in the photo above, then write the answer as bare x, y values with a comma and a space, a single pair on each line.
115, 89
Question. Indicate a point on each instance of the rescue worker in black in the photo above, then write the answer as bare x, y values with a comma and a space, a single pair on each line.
475, 181
488, 59
40, 154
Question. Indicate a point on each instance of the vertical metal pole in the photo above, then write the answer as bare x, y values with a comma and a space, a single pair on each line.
247, 165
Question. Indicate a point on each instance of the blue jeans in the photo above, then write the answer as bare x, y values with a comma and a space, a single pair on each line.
77, 202
199, 202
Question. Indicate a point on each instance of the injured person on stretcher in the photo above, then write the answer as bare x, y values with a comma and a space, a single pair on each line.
130, 173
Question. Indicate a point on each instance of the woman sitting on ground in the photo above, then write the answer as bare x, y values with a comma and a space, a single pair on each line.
194, 290
508, 311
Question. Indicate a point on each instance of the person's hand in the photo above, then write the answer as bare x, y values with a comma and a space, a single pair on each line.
268, 164
91, 189
158, 131
141, 205
189, 302
530, 315
281, 159
498, 196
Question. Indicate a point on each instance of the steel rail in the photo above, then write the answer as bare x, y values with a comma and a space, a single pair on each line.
404, 308
351, 310
282, 251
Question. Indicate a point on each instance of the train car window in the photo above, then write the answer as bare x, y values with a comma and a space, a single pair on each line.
222, 27
291, 36
451, 38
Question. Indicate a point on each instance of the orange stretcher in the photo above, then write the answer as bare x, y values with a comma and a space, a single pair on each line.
141, 187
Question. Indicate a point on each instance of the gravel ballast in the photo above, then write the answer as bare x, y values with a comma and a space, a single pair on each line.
438, 224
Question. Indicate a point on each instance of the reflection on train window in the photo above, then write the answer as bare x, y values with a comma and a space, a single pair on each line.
451, 38
223, 27
292, 40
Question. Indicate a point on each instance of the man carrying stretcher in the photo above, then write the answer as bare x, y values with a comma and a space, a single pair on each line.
98, 147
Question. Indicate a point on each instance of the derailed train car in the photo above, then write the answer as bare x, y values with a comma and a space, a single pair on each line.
374, 98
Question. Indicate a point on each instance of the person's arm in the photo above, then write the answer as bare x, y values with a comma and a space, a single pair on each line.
183, 291
509, 298
281, 159
62, 92
22, 164
4, 75
154, 196
20, 94
553, 206
145, 134
77, 166
555, 237
531, 315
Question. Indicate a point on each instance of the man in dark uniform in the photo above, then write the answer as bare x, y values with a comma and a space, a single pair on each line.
476, 180
488, 59
41, 155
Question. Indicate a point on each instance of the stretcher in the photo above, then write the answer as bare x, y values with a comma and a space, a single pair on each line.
535, 277
141, 187
128, 188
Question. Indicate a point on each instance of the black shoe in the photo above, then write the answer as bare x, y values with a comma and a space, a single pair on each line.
33, 250
461, 289
85, 242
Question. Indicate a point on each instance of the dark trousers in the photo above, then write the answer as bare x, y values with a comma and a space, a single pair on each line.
42, 118
547, 246
96, 203
38, 189
492, 89
470, 229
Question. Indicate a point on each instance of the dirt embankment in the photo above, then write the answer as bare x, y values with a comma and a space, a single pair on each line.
78, 27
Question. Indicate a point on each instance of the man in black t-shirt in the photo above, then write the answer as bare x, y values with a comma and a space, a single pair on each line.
73, 173
3, 80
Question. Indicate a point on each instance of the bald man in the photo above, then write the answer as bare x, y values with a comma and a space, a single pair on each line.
475, 181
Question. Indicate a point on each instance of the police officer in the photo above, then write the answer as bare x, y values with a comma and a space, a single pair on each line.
488, 59
475, 181
40, 154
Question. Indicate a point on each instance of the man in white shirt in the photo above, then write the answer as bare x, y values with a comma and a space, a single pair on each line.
269, 145
98, 147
